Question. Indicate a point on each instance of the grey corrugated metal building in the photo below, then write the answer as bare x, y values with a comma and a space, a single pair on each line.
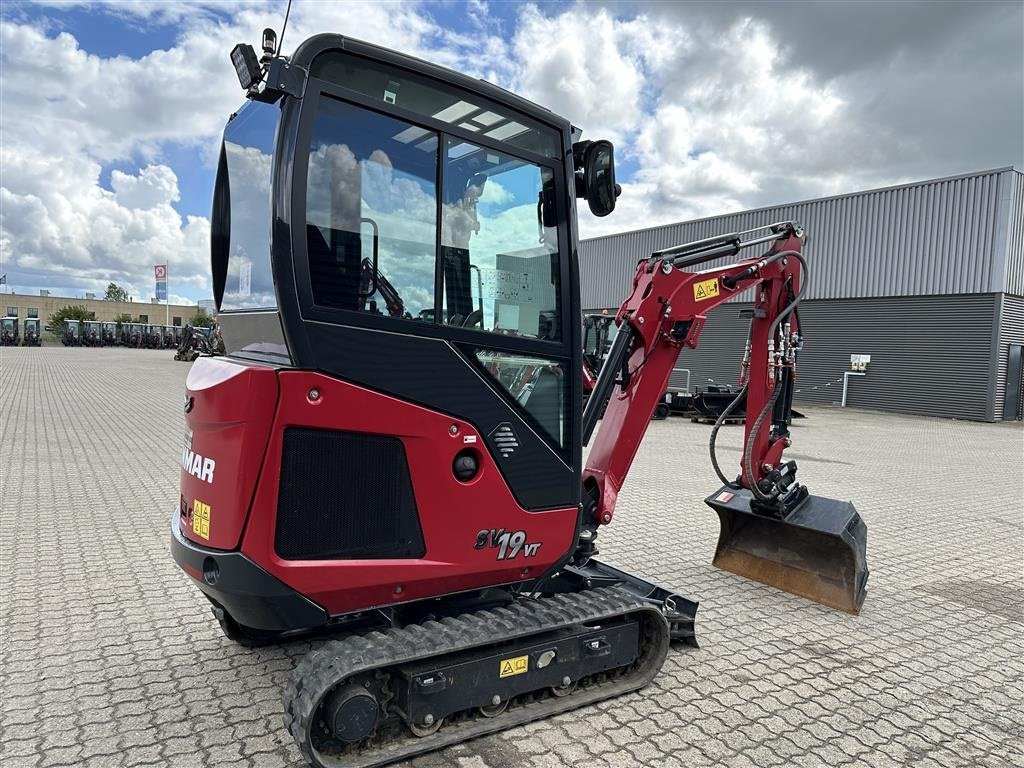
927, 278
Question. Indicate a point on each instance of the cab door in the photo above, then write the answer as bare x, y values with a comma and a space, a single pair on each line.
430, 253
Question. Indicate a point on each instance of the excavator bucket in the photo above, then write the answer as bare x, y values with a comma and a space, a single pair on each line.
818, 551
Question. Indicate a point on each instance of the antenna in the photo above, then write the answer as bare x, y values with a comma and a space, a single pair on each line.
284, 26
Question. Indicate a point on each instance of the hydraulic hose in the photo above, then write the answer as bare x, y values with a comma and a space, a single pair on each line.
748, 452
718, 425
728, 412
748, 470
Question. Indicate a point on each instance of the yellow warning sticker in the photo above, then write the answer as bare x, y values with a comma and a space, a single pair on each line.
201, 519
515, 666
705, 289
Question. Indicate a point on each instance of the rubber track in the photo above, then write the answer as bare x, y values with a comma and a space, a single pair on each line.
338, 660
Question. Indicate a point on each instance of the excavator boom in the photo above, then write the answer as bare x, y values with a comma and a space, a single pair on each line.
772, 529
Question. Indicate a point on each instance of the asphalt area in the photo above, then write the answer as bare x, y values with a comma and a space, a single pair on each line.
110, 657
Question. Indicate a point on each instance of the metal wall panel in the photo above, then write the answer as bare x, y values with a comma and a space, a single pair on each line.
1014, 280
1011, 331
929, 355
931, 238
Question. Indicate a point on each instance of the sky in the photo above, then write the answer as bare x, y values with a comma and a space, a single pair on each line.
111, 112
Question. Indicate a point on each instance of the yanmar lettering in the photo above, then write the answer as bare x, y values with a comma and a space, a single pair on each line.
198, 466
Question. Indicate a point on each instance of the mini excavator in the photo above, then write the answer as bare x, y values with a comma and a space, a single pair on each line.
412, 482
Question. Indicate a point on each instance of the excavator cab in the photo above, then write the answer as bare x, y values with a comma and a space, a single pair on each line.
71, 334
32, 333
598, 334
422, 238
91, 336
134, 335
9, 331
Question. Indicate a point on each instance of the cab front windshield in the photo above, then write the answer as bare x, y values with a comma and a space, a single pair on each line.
408, 221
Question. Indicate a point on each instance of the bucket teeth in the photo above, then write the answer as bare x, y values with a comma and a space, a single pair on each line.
818, 551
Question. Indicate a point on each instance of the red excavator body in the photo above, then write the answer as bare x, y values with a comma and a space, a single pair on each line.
241, 416
391, 448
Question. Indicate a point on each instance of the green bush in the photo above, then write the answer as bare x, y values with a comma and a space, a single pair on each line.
201, 319
70, 312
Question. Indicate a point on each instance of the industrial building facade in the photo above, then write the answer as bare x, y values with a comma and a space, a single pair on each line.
926, 278
22, 306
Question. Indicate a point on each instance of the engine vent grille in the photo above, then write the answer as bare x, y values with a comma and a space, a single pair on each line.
345, 495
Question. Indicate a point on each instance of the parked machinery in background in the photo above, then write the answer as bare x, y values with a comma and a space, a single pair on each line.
32, 336
91, 335
598, 334
217, 341
152, 338
71, 334
132, 335
710, 402
9, 331
170, 342
195, 341
108, 334
678, 396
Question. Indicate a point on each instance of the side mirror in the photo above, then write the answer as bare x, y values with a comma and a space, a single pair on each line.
595, 177
599, 177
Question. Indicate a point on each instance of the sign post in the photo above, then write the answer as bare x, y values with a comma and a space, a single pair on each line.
160, 273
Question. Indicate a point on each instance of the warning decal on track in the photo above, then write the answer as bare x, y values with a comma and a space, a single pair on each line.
201, 519
705, 289
515, 666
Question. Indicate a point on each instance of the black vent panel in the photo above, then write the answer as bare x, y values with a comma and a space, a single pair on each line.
345, 496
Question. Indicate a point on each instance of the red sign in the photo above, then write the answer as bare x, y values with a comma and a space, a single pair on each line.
160, 270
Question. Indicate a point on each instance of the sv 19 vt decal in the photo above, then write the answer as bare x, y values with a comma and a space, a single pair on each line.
508, 543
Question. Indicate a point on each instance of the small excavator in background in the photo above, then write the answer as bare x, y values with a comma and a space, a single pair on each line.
413, 481
108, 334
196, 341
33, 337
71, 334
9, 331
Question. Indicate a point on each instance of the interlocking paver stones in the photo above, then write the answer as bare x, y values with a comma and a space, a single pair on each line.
109, 657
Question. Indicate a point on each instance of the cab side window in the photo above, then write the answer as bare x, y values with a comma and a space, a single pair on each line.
500, 261
371, 221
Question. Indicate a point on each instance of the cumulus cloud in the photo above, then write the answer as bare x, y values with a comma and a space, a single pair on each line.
586, 66
61, 228
155, 185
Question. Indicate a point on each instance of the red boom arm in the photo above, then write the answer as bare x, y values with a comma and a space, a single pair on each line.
666, 312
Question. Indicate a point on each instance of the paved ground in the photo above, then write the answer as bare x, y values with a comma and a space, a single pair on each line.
110, 658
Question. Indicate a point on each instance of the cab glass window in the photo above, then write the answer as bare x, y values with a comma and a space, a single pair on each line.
539, 385
371, 212
240, 225
437, 100
499, 260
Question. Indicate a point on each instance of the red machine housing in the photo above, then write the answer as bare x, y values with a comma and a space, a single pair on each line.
237, 414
